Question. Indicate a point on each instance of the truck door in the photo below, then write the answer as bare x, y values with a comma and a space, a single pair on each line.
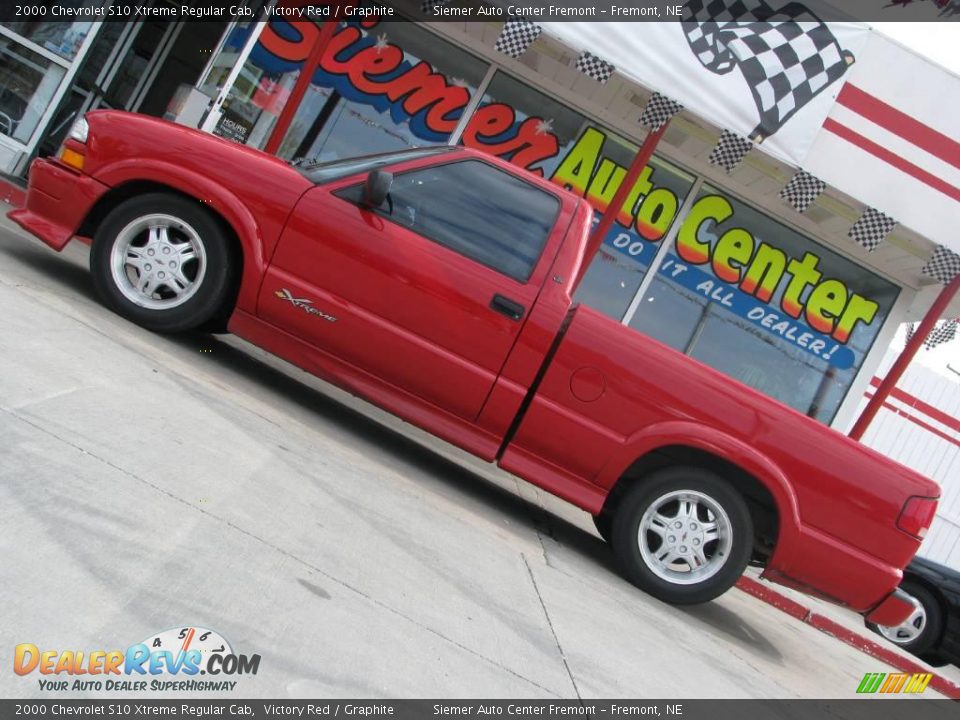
428, 291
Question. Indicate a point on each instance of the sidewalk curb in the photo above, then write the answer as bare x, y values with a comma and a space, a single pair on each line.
824, 624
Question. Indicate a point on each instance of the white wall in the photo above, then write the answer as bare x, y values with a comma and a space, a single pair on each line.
919, 427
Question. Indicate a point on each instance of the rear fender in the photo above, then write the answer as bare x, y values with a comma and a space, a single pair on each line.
723, 446
221, 202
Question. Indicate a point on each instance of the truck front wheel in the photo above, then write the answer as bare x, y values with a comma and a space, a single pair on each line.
683, 535
163, 262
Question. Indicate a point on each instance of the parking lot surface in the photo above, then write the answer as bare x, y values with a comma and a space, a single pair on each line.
151, 482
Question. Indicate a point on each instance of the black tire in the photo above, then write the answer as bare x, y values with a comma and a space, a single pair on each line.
604, 525
926, 643
934, 659
186, 223
724, 557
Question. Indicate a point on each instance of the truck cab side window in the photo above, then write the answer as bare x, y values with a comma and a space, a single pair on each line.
475, 209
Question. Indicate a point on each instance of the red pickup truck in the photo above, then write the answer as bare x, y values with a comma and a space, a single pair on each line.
437, 283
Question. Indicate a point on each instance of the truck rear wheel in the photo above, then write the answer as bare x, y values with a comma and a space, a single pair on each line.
683, 535
163, 262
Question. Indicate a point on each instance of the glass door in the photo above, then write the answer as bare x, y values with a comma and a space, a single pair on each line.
141, 48
225, 66
109, 75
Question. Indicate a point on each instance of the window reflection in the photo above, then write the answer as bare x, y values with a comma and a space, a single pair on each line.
487, 214
62, 38
730, 324
537, 132
414, 89
28, 82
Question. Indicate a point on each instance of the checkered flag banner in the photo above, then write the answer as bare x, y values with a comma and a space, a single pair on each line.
596, 67
729, 150
911, 329
871, 229
516, 36
942, 333
658, 111
427, 6
786, 54
943, 265
802, 190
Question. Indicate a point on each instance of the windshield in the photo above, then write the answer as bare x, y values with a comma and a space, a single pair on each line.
336, 169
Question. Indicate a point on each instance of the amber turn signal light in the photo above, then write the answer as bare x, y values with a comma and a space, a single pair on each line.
72, 158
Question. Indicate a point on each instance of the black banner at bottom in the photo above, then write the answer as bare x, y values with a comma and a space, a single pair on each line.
878, 708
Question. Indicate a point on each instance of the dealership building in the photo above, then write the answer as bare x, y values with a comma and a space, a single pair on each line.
799, 206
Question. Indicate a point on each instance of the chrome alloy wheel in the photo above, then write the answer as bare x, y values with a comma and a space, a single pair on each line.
158, 261
910, 629
685, 537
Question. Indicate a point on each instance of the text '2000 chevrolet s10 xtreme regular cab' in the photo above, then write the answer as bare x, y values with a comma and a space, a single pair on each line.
437, 283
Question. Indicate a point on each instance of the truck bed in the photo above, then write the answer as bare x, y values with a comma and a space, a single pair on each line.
830, 491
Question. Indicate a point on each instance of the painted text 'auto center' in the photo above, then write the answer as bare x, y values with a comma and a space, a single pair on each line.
799, 205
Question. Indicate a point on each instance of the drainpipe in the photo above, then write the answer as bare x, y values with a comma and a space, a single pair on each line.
640, 161
936, 311
292, 104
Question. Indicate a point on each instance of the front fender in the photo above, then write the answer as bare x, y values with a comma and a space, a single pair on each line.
220, 201
726, 447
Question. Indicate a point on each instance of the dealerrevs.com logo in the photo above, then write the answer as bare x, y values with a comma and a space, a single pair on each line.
171, 660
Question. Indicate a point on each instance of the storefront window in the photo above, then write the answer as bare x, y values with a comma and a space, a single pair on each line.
82, 90
380, 87
256, 96
537, 132
226, 58
628, 248
28, 81
765, 305
62, 38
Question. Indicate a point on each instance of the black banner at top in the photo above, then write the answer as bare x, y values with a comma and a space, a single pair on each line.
17, 11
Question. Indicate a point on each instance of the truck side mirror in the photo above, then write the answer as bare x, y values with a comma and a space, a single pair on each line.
377, 188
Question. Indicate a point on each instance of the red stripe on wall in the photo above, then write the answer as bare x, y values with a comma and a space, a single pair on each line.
900, 412
899, 123
892, 158
926, 408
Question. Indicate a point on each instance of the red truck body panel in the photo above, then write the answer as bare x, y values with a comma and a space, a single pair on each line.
428, 307
564, 397
835, 498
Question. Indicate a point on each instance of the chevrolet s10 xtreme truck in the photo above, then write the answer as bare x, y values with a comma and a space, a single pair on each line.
437, 283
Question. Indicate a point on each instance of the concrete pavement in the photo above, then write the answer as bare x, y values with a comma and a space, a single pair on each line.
150, 482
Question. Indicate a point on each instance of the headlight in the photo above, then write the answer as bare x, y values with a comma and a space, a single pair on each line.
80, 130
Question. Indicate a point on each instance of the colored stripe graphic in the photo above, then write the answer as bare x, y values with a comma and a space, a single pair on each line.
870, 682
926, 408
892, 159
900, 682
918, 683
900, 412
894, 682
899, 123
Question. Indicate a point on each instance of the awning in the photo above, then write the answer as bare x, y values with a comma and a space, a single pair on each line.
845, 104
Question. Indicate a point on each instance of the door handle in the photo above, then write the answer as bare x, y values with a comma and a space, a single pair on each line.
506, 306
